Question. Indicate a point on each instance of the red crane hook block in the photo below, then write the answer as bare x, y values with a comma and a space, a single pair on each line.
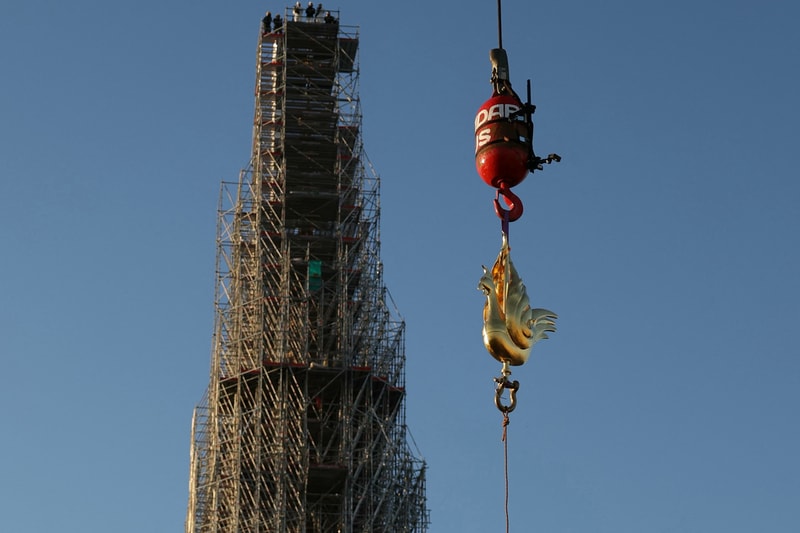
502, 141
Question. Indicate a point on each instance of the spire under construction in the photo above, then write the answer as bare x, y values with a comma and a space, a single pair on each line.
302, 428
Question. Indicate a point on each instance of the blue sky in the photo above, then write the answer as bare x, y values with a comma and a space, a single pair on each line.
666, 240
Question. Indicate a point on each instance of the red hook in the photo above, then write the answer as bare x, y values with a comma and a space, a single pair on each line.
512, 201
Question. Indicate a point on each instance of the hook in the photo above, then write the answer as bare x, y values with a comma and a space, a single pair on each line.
512, 201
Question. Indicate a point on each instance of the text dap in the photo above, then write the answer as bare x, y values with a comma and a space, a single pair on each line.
502, 141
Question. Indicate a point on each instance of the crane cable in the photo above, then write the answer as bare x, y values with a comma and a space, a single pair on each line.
499, 25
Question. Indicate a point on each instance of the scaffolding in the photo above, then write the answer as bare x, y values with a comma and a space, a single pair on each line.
302, 428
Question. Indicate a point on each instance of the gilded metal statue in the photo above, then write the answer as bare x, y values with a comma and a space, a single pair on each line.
510, 326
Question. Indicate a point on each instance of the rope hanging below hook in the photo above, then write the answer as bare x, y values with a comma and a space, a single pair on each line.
504, 383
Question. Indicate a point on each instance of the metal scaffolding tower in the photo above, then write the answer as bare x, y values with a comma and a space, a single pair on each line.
302, 428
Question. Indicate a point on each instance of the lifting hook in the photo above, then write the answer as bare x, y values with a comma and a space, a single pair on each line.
511, 200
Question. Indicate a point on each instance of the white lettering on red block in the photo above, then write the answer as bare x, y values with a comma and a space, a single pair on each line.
482, 137
493, 113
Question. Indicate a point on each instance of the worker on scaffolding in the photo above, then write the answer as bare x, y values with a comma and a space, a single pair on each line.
266, 23
277, 22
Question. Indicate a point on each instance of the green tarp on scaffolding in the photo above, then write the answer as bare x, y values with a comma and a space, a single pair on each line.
314, 275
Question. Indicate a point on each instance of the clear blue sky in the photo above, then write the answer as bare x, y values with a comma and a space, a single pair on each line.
667, 241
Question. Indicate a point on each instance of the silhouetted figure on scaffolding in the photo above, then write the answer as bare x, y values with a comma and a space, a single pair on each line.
329, 19
277, 22
310, 12
318, 14
266, 23
297, 10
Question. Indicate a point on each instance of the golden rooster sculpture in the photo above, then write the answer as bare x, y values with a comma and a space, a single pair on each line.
510, 326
